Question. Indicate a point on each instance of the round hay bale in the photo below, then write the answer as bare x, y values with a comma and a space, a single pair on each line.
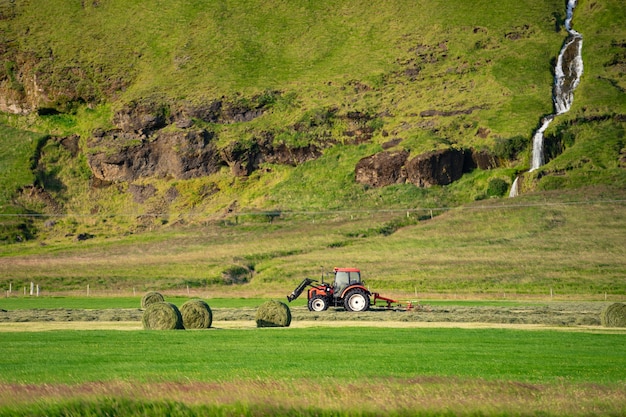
614, 315
273, 314
196, 314
150, 298
162, 316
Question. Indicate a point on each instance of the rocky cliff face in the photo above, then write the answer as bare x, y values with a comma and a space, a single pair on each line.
32, 83
382, 169
180, 155
432, 168
148, 142
156, 139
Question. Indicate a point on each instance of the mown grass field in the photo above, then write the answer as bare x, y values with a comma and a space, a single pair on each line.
362, 371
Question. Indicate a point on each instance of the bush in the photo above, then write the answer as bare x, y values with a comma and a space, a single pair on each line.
510, 148
497, 187
236, 274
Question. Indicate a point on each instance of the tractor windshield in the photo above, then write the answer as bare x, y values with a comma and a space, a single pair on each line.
343, 279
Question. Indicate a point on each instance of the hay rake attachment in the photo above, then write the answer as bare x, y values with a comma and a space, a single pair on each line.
397, 307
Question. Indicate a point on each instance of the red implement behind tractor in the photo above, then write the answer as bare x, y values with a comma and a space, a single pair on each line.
346, 290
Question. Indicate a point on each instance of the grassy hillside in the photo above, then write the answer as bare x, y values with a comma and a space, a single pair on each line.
485, 67
568, 243
17, 151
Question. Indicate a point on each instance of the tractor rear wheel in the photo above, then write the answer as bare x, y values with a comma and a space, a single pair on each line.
356, 300
318, 303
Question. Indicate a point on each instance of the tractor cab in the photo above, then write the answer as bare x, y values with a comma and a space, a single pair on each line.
344, 277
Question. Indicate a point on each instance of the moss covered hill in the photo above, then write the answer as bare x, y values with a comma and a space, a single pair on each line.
119, 115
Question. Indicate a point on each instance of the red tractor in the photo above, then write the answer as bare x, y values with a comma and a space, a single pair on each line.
346, 290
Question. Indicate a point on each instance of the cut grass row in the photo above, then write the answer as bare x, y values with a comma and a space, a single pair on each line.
83, 302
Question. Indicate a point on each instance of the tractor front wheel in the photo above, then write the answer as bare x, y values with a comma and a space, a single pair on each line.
356, 300
318, 303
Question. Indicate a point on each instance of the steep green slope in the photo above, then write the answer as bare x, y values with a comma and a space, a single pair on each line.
352, 77
16, 165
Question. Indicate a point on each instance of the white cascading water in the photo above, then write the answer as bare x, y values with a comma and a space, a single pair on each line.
567, 73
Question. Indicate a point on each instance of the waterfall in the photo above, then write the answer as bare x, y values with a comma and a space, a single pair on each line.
567, 73
569, 66
514, 188
537, 156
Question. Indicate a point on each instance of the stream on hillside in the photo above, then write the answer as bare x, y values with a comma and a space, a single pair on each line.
567, 73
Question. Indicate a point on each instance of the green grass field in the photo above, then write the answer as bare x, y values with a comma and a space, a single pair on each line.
354, 354
345, 370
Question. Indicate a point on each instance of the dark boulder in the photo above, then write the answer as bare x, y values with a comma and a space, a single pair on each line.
480, 159
435, 168
382, 169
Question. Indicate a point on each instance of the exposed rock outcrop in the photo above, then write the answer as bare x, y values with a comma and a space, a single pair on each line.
480, 159
246, 157
141, 117
137, 152
181, 155
435, 168
440, 167
358, 128
382, 169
